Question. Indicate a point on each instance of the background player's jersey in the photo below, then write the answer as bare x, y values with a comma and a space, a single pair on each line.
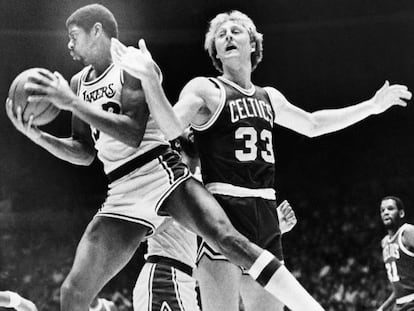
235, 145
399, 263
174, 241
105, 92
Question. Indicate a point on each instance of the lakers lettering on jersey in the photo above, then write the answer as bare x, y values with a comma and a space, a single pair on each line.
399, 264
236, 144
104, 92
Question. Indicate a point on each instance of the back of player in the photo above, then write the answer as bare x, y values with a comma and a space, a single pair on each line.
399, 264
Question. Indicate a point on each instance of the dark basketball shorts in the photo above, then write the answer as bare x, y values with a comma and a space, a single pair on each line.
255, 218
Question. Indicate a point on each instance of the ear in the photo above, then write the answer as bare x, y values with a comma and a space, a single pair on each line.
97, 29
253, 46
402, 213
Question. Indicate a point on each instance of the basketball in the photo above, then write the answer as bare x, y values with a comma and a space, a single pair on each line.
43, 112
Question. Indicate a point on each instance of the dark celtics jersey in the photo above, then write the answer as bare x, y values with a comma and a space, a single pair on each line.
399, 263
235, 145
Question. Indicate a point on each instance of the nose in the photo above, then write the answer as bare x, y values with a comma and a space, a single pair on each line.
70, 45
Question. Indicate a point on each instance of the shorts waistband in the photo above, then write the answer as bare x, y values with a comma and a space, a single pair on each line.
237, 191
171, 262
137, 162
405, 299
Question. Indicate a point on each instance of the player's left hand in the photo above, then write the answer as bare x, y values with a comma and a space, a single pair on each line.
50, 87
287, 217
390, 95
137, 62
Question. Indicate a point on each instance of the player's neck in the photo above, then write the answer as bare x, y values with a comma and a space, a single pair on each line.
241, 76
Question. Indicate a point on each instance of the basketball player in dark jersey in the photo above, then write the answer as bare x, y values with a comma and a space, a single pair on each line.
148, 180
398, 255
233, 121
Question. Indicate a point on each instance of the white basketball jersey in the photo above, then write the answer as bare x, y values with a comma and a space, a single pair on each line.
104, 92
174, 241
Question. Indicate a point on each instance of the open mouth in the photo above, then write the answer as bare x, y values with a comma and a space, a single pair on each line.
230, 48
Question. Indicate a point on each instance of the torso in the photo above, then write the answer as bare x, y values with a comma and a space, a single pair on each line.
104, 92
399, 263
235, 144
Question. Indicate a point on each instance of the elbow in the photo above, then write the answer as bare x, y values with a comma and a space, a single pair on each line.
134, 139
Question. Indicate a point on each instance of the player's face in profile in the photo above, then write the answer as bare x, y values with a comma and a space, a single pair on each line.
232, 39
390, 214
79, 43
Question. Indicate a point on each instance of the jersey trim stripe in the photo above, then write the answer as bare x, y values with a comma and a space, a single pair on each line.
405, 299
216, 113
92, 82
249, 92
268, 92
400, 243
242, 192
177, 288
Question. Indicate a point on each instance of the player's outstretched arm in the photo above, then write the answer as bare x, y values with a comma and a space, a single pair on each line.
13, 300
331, 120
139, 63
287, 217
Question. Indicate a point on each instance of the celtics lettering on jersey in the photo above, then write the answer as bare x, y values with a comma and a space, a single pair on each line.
236, 145
391, 254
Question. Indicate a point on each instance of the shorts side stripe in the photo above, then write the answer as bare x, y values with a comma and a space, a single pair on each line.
150, 281
141, 221
177, 289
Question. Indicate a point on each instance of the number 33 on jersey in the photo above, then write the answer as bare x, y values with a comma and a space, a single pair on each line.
235, 145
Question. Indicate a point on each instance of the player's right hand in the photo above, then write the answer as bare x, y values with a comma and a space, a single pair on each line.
28, 129
137, 62
287, 217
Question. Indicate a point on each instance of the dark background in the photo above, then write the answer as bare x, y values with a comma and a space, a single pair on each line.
319, 54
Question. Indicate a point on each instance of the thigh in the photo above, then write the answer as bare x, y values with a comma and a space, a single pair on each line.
219, 283
104, 249
255, 297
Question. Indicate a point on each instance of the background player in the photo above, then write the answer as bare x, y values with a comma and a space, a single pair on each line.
9, 299
233, 121
398, 255
147, 179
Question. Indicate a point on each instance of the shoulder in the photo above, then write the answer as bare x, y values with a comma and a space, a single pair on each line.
407, 235
199, 85
384, 241
74, 81
274, 94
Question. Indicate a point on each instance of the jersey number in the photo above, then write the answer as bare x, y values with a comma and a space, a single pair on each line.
110, 107
250, 137
392, 272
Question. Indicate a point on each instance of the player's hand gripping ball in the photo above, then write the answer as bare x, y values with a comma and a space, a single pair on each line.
43, 111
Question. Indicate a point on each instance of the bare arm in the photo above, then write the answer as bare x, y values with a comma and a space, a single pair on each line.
408, 238
387, 304
126, 127
192, 105
330, 120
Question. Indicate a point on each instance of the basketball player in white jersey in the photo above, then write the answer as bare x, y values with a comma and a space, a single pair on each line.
9, 299
398, 255
233, 121
148, 181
